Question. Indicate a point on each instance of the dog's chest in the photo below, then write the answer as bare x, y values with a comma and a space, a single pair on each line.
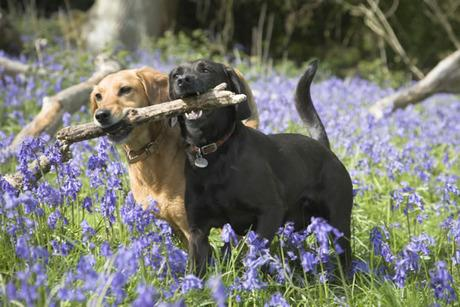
218, 203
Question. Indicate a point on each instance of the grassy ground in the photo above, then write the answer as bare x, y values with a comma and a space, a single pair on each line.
78, 238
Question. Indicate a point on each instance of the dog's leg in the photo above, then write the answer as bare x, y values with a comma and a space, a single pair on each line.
340, 218
270, 221
199, 251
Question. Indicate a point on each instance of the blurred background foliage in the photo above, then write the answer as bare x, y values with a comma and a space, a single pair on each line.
344, 34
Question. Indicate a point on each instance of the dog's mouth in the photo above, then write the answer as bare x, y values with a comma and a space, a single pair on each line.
194, 115
118, 132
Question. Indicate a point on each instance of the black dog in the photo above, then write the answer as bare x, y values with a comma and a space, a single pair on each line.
241, 176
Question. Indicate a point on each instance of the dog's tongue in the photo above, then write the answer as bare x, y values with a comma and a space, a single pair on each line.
194, 115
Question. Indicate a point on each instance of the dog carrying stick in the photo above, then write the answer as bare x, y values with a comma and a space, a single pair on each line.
218, 97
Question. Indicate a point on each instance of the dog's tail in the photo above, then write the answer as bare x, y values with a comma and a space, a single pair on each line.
305, 106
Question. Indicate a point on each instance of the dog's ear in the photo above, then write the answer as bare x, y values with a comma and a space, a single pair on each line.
154, 83
239, 86
92, 103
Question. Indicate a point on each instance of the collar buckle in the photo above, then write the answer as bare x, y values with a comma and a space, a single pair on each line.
207, 149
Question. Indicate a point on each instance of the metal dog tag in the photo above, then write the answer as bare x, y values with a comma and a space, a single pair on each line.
200, 161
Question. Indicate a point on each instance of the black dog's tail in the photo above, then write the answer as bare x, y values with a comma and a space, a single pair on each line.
305, 106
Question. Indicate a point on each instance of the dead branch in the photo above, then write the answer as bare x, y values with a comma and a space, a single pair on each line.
12, 68
444, 21
68, 100
137, 116
37, 168
443, 78
375, 19
218, 97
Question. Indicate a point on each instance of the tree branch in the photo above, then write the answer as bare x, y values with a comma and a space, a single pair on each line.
218, 97
443, 78
12, 68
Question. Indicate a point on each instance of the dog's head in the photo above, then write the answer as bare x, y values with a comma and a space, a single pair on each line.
133, 88
198, 77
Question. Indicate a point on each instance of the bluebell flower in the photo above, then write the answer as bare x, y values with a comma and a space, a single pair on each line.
87, 230
277, 300
321, 229
49, 195
442, 283
190, 282
380, 247
308, 261
146, 296
87, 204
55, 217
228, 235
105, 249
22, 248
108, 205
218, 290
408, 260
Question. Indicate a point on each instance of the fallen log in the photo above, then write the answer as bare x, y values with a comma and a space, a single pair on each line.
68, 100
218, 97
443, 78
12, 68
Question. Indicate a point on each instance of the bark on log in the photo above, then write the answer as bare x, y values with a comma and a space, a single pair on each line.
12, 68
38, 168
444, 78
68, 100
137, 116
73, 134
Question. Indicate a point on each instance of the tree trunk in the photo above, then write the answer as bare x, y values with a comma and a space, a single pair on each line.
114, 22
444, 78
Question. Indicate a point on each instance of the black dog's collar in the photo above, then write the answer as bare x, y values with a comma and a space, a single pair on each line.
212, 147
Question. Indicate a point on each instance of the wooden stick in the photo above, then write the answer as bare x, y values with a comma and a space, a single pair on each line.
134, 117
218, 97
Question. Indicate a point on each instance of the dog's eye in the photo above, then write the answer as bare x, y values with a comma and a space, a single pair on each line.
175, 75
203, 69
98, 97
124, 90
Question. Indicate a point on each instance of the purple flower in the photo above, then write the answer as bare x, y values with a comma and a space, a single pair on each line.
105, 249
87, 230
381, 248
55, 217
88, 204
108, 204
217, 290
147, 296
191, 282
126, 261
408, 260
442, 283
228, 235
22, 248
277, 300
308, 261
321, 229
49, 195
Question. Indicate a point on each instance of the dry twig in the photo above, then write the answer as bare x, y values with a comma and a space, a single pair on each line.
134, 117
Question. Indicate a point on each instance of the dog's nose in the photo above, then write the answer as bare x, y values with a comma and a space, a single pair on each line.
102, 115
184, 80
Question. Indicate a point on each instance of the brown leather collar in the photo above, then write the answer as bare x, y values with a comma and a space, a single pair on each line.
212, 147
134, 156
